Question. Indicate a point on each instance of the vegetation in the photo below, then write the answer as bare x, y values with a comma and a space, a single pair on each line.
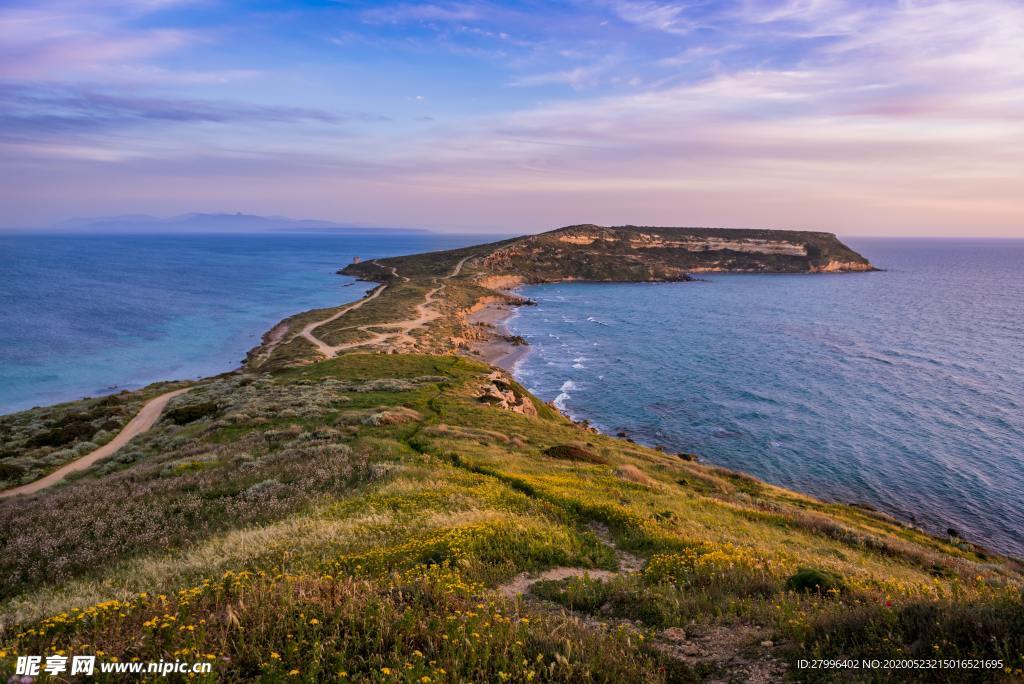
377, 517
365, 515
40, 440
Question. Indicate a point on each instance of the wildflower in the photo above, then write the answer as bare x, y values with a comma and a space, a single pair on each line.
293, 673
314, 621
274, 655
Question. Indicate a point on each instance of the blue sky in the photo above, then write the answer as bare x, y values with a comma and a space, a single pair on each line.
898, 117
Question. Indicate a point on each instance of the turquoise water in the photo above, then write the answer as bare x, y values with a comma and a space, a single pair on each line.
902, 389
86, 315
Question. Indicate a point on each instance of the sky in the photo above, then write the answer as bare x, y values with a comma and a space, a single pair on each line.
862, 117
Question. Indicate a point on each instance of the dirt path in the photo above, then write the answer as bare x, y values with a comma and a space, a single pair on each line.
522, 582
627, 562
425, 313
322, 347
143, 421
733, 653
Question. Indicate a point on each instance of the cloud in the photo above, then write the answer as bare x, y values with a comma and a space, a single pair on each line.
666, 17
416, 12
49, 111
915, 110
63, 39
578, 78
815, 113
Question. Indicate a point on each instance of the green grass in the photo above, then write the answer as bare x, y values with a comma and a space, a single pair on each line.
356, 515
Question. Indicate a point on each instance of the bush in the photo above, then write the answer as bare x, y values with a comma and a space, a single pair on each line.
10, 471
61, 435
192, 412
573, 452
813, 580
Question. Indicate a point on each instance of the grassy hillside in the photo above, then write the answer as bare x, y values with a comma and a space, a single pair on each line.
365, 515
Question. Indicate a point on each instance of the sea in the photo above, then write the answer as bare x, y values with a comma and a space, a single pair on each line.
86, 315
901, 389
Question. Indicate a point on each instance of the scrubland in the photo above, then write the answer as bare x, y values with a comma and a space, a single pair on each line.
361, 519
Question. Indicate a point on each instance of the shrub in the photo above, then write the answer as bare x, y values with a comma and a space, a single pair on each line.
192, 412
573, 452
10, 471
813, 580
61, 435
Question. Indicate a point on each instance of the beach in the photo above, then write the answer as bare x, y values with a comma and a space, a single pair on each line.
497, 349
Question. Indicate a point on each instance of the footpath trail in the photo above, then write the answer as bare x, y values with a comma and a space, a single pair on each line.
730, 652
400, 330
324, 348
627, 562
143, 421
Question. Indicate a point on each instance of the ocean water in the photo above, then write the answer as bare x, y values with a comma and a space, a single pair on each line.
902, 389
91, 314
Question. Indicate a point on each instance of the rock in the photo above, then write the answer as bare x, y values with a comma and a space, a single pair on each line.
767, 643
500, 391
674, 634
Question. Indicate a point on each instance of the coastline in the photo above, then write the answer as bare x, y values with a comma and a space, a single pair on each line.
496, 349
490, 340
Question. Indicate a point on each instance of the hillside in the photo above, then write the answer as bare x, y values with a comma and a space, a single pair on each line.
328, 513
631, 253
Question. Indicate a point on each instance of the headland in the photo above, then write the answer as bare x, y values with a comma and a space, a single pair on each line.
365, 499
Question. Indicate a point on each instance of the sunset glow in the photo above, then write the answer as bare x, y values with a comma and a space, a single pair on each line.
864, 118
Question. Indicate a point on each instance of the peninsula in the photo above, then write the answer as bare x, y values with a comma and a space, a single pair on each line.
366, 500
425, 302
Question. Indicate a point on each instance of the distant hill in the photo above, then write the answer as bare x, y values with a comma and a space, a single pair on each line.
212, 223
637, 254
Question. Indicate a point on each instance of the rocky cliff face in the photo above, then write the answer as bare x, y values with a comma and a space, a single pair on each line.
632, 253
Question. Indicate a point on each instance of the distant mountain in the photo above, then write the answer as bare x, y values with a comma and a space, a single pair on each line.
212, 223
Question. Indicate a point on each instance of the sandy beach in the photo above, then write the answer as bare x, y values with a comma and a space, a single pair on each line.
497, 350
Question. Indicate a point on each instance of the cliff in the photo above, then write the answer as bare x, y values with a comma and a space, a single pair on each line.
631, 253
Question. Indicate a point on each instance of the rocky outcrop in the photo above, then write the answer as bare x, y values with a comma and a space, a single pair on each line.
638, 254
835, 266
500, 391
